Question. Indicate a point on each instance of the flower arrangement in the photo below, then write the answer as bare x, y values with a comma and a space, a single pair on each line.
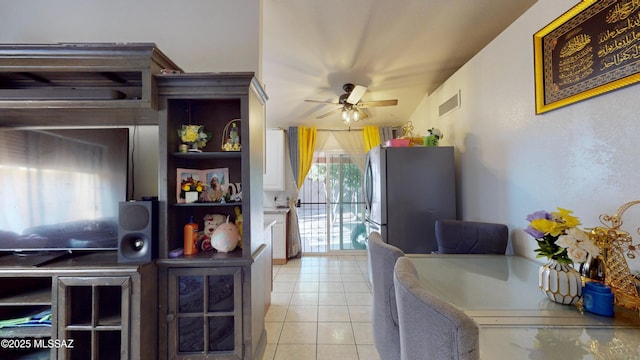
194, 134
559, 237
190, 184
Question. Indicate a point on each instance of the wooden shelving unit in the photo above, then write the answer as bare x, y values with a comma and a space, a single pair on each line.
212, 100
81, 85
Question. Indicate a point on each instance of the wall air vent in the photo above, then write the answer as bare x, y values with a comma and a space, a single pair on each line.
448, 106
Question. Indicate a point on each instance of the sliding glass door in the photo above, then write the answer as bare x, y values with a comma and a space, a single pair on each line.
331, 213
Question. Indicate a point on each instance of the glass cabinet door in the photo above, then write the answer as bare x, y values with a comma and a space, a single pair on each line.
94, 313
205, 313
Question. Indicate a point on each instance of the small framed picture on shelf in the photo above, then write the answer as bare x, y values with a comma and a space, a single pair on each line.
208, 185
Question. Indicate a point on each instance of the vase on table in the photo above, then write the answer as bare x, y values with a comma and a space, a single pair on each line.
560, 282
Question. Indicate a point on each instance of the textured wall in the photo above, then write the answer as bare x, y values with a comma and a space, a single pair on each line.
512, 162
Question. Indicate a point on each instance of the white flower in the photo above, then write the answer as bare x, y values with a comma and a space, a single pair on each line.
578, 245
590, 247
578, 234
577, 254
567, 241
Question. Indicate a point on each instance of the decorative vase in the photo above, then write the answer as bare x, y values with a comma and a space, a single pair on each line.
560, 282
191, 196
194, 147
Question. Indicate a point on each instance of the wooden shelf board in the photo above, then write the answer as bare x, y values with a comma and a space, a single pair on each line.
208, 155
35, 297
200, 204
26, 332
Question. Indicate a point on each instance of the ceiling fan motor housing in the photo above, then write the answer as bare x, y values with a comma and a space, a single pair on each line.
348, 88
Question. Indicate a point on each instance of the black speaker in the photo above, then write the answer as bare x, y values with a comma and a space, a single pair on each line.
137, 231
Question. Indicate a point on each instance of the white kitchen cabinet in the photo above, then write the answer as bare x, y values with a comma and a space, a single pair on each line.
274, 152
279, 233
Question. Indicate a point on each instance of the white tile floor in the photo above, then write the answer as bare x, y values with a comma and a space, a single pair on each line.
321, 309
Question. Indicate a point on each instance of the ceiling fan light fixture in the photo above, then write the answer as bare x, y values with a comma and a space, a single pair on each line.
345, 115
350, 114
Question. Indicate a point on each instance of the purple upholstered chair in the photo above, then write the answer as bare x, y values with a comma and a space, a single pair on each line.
471, 237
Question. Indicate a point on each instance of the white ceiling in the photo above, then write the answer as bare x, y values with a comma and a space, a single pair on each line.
399, 49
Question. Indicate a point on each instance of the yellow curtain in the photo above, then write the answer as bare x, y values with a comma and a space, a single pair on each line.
306, 146
371, 136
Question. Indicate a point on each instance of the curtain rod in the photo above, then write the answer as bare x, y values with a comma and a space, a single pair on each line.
357, 129
339, 129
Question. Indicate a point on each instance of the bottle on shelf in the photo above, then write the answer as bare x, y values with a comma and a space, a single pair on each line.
234, 135
191, 238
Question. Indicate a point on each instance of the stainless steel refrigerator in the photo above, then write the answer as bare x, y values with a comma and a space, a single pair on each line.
406, 190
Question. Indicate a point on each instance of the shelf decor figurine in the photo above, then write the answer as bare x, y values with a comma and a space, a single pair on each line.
564, 244
231, 136
433, 138
194, 136
226, 237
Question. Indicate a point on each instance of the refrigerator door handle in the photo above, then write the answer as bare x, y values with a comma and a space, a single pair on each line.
368, 185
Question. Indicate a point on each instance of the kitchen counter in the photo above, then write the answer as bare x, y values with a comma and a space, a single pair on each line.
280, 231
276, 210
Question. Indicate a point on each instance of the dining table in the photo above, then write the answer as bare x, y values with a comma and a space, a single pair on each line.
515, 318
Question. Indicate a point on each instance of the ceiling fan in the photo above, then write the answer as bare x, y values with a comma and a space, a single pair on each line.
350, 105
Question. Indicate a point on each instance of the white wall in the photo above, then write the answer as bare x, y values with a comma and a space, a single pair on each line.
198, 35
512, 162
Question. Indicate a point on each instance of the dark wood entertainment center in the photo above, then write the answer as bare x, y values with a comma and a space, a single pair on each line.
206, 306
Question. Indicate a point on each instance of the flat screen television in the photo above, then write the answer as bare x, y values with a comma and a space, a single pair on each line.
60, 188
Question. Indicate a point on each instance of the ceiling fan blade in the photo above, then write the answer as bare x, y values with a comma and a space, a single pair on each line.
366, 104
356, 94
329, 113
322, 102
361, 114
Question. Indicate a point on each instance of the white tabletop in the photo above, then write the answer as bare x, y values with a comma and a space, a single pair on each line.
545, 343
516, 319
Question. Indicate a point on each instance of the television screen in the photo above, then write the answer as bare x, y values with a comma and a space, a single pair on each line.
60, 188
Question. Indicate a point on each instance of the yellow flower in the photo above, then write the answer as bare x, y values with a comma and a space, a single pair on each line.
547, 226
561, 220
186, 187
199, 188
566, 217
190, 133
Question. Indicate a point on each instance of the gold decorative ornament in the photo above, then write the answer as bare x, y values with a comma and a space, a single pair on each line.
231, 136
618, 245
407, 130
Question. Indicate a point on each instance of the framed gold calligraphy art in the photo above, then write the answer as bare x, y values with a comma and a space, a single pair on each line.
591, 49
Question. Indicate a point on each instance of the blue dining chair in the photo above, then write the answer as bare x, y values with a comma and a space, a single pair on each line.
382, 258
471, 237
431, 328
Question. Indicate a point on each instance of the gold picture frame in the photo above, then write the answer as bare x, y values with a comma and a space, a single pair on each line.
591, 49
